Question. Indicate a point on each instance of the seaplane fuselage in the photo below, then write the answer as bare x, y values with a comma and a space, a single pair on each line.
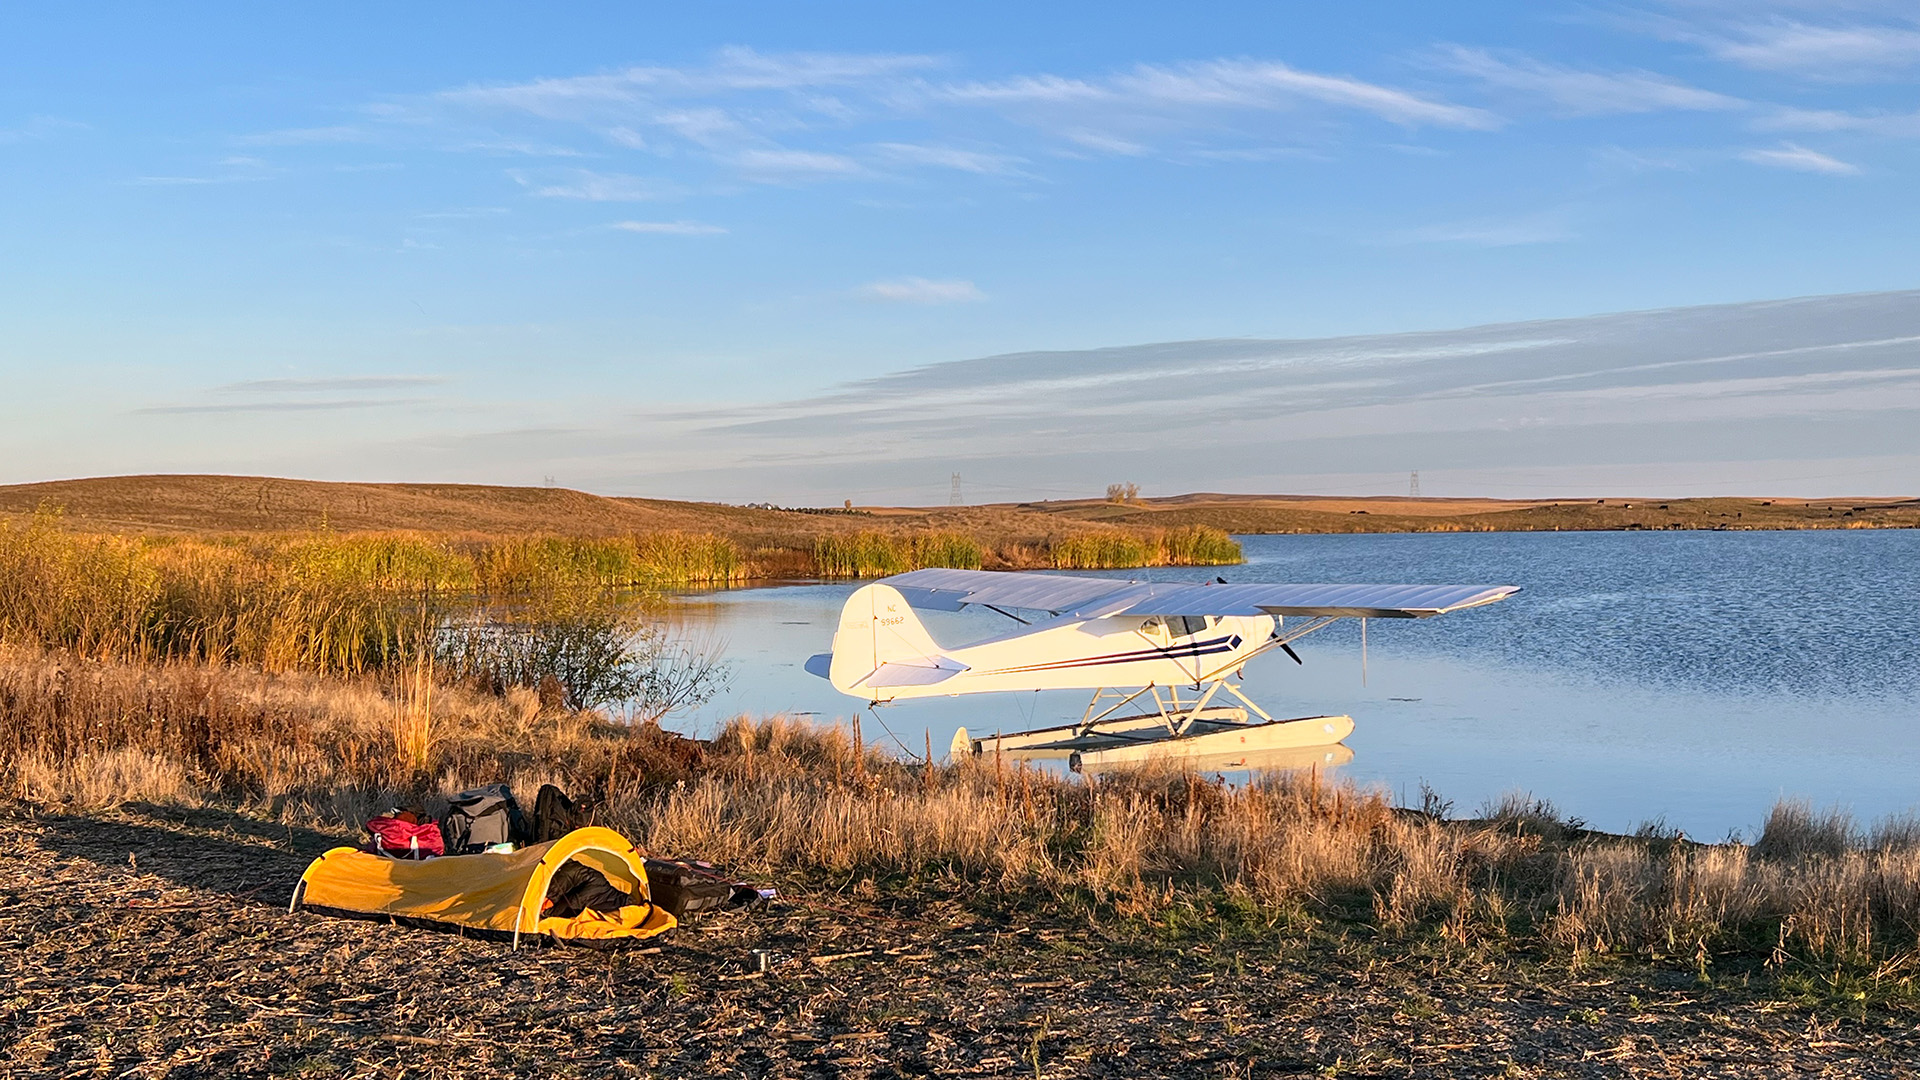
882, 652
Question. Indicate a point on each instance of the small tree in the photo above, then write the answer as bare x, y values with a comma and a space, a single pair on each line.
593, 658
1123, 493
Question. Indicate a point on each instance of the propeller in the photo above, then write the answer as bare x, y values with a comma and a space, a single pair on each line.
1287, 648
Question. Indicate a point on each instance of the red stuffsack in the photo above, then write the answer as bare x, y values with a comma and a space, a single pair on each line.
406, 840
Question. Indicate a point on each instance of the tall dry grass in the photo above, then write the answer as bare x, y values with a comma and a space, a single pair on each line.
788, 800
873, 553
320, 603
1187, 545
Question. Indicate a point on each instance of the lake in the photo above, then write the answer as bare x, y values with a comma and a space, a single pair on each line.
1694, 677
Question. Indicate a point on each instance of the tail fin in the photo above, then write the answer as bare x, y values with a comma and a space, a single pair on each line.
877, 627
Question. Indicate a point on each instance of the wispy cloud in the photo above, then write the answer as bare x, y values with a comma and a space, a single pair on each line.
1580, 92
517, 148
732, 70
277, 406
792, 118
1794, 156
192, 181
599, 187
917, 290
946, 157
1643, 161
1835, 51
338, 133
763, 163
39, 127
331, 384
669, 228
239, 169
463, 212
1890, 125
1215, 85
1269, 85
1492, 233
1102, 142
1684, 384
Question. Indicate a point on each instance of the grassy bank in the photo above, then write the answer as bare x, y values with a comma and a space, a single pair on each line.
352, 603
1815, 899
878, 554
319, 603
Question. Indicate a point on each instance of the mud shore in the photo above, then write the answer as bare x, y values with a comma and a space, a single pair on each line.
155, 942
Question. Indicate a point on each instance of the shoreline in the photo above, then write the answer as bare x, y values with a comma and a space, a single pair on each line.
180, 913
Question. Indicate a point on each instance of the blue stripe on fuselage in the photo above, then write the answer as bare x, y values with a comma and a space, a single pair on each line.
1197, 648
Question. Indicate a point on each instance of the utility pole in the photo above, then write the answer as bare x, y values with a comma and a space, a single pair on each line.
1413, 484
953, 499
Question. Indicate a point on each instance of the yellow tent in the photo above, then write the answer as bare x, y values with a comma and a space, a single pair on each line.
499, 893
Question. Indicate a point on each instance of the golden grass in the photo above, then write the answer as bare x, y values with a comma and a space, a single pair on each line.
1188, 545
784, 799
321, 603
872, 553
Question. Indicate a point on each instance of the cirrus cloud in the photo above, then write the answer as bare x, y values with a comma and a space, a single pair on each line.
1799, 158
918, 290
669, 228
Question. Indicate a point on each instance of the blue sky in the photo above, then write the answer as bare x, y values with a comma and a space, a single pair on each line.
498, 243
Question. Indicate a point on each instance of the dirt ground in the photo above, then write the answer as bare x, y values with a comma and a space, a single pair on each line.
154, 942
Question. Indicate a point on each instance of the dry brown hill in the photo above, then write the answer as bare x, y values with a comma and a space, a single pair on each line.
1346, 514
242, 504
248, 504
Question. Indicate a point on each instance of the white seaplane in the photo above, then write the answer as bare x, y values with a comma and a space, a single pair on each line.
1175, 644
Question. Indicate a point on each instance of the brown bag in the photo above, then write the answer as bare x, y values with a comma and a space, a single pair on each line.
685, 887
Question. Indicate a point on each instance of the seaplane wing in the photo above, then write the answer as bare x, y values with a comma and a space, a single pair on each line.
949, 590
1347, 601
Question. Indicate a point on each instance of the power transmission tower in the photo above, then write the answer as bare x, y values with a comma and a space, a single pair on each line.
953, 499
1413, 484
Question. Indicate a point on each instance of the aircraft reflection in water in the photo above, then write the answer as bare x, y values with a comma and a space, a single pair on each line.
1172, 646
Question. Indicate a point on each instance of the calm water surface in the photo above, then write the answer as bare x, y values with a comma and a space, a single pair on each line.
1694, 677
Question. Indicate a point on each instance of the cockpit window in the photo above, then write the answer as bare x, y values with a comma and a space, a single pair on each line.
1179, 626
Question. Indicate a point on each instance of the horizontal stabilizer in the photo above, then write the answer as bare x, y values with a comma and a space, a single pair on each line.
897, 674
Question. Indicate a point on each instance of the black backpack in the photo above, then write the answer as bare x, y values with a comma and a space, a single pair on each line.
555, 815
481, 817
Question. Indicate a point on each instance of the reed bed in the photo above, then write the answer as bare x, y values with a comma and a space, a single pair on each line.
872, 553
325, 603
1189, 545
787, 800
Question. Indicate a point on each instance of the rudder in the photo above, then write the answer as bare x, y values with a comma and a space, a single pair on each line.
877, 627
